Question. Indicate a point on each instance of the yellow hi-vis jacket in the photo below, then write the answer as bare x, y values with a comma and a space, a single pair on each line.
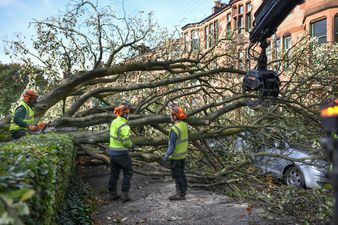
29, 118
120, 135
181, 146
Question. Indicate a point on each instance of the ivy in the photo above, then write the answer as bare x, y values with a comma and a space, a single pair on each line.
77, 206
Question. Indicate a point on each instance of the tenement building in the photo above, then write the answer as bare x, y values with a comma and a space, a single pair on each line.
318, 18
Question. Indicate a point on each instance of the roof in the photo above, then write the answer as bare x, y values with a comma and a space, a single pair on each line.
224, 6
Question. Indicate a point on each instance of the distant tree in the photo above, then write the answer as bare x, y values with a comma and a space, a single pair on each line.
12, 84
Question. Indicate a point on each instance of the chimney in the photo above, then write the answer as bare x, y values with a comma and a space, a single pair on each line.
217, 7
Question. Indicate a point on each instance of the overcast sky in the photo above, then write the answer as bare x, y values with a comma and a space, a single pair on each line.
15, 15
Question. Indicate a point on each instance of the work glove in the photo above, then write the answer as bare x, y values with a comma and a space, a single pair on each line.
165, 157
41, 125
33, 128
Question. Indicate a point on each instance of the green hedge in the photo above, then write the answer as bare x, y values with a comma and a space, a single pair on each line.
34, 175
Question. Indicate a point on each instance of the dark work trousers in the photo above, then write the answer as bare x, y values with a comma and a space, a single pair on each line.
18, 134
118, 163
177, 172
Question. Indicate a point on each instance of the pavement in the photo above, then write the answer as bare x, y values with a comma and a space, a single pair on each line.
150, 204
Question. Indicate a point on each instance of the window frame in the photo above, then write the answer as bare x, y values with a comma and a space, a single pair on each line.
228, 24
240, 9
246, 7
277, 48
193, 47
288, 37
206, 36
240, 23
312, 30
211, 35
248, 23
186, 40
216, 31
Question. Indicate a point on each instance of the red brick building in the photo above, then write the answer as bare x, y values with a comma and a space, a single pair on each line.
317, 17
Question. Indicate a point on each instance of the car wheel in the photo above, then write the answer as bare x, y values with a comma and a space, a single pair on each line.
294, 176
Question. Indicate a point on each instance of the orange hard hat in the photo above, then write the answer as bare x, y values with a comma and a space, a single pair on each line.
30, 94
178, 112
120, 110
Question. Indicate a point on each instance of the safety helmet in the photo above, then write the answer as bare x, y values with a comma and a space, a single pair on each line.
178, 112
30, 94
122, 109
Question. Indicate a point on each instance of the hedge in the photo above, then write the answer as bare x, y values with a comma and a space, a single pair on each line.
34, 175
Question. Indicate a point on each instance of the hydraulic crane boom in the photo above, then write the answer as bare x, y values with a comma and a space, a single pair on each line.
268, 17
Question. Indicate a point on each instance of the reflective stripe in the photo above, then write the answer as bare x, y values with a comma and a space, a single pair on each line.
119, 129
118, 149
118, 138
180, 154
29, 117
179, 141
119, 134
179, 132
181, 144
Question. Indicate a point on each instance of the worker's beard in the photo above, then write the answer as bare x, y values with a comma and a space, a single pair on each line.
127, 116
33, 101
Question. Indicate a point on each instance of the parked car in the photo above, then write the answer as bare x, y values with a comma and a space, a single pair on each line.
308, 173
304, 174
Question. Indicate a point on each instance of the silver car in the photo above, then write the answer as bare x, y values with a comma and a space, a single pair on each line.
306, 173
281, 162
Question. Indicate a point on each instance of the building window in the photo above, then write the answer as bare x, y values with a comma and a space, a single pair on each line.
248, 21
269, 53
195, 40
318, 30
186, 40
211, 34
287, 43
248, 7
336, 29
277, 48
240, 9
216, 30
286, 47
206, 36
229, 18
229, 23
240, 24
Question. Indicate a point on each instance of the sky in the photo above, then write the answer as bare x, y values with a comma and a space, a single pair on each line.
15, 15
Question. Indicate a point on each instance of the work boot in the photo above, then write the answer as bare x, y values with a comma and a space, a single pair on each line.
181, 193
114, 196
178, 196
125, 197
